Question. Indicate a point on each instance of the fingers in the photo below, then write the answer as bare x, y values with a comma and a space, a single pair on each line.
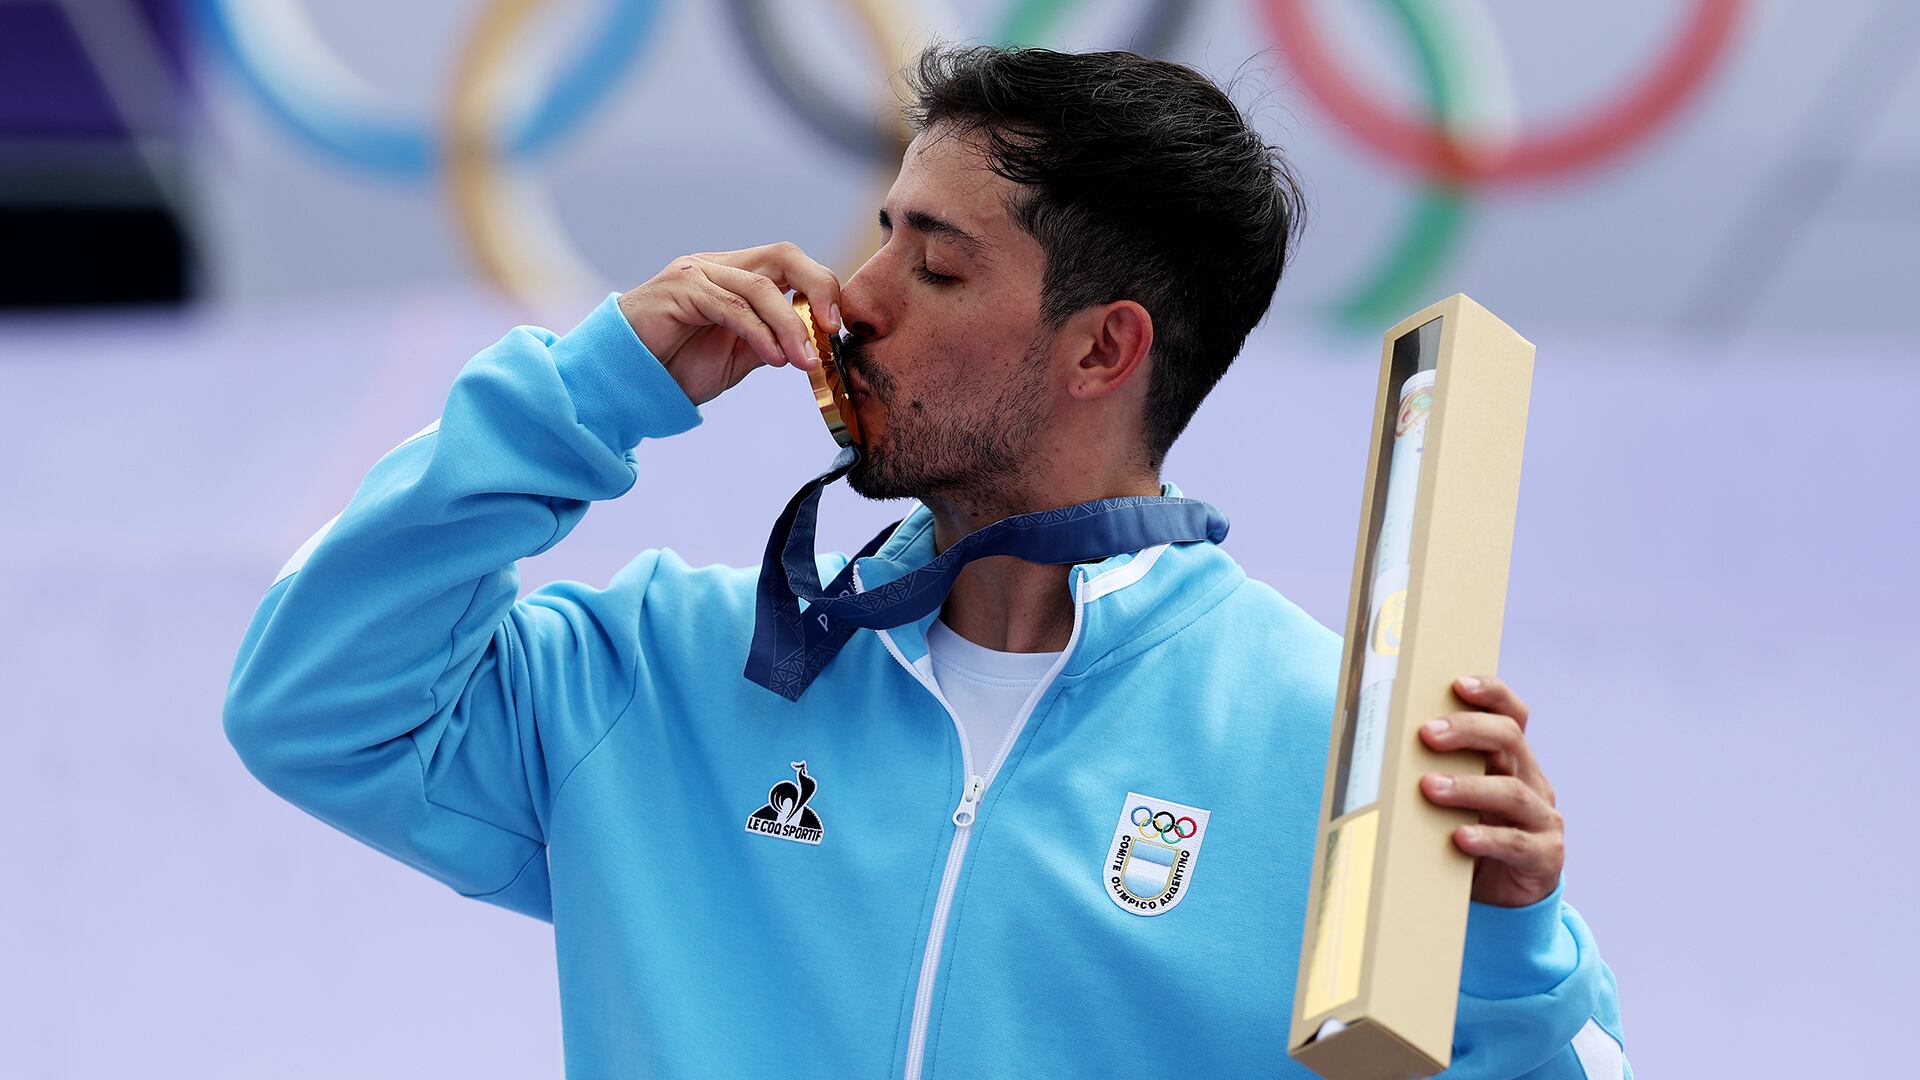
1506, 798
726, 308
788, 267
1496, 735
769, 301
810, 279
1491, 694
1519, 829
1538, 856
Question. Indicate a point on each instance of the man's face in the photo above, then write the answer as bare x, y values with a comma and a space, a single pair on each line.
949, 371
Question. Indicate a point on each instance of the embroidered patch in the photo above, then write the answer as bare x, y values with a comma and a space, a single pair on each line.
787, 815
1149, 867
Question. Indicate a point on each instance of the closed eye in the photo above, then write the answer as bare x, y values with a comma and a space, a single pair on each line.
932, 278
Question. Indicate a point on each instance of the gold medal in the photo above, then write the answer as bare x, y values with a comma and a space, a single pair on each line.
829, 387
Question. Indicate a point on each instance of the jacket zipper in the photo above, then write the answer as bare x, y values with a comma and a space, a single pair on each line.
965, 814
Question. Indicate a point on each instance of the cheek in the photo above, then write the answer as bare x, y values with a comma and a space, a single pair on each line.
957, 364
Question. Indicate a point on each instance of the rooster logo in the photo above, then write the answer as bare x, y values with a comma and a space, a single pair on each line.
786, 814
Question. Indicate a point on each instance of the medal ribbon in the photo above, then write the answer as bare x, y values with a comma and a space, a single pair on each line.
791, 647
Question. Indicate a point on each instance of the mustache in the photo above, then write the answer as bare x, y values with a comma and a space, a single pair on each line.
851, 354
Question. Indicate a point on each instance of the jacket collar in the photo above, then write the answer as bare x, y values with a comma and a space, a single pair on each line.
1132, 600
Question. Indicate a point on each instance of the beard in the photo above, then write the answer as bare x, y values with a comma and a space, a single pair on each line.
961, 441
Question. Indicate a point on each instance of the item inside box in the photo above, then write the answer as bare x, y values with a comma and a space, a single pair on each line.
1403, 440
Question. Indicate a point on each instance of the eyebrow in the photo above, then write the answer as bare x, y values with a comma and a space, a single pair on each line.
922, 222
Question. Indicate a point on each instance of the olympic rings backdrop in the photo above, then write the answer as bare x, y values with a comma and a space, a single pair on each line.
1703, 212
1413, 122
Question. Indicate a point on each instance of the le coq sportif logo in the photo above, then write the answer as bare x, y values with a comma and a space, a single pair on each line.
786, 816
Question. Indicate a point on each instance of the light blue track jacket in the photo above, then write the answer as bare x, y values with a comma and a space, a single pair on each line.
741, 886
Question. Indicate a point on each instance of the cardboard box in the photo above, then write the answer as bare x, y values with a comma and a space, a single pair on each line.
1379, 973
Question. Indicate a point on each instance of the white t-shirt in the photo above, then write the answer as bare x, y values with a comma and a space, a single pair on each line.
986, 687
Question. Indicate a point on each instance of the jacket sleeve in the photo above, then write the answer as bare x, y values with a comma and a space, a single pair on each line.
391, 685
1536, 1000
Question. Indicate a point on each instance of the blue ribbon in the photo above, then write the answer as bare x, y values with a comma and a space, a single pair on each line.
790, 648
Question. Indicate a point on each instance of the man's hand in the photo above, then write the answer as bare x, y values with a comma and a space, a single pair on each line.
712, 317
1519, 845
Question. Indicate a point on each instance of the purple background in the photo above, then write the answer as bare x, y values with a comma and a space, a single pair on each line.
49, 84
1710, 605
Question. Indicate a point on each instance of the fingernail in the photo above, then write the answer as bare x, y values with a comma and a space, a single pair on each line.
833, 317
1471, 682
813, 352
1440, 782
1437, 725
1470, 833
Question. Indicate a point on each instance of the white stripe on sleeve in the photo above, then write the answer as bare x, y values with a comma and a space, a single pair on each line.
1600, 1057
300, 557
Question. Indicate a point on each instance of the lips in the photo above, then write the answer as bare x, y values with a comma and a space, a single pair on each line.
857, 386
851, 354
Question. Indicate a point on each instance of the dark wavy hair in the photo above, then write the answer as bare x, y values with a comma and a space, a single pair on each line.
1141, 181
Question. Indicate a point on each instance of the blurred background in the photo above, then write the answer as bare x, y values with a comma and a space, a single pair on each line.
247, 245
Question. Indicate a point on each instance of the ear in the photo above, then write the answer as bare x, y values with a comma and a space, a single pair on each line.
1115, 338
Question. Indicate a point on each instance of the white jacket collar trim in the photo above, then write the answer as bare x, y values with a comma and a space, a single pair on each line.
1112, 581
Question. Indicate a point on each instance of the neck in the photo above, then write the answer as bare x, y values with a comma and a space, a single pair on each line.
1007, 603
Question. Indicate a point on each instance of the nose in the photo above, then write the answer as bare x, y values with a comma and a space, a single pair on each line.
865, 308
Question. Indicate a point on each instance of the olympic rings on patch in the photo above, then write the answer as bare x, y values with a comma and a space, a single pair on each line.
1167, 832
1434, 153
272, 47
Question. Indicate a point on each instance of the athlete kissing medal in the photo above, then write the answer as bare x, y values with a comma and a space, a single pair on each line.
829, 385
791, 648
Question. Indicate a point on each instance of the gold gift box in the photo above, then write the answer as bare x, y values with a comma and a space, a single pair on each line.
1379, 973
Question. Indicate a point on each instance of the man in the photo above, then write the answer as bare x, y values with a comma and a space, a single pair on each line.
904, 869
